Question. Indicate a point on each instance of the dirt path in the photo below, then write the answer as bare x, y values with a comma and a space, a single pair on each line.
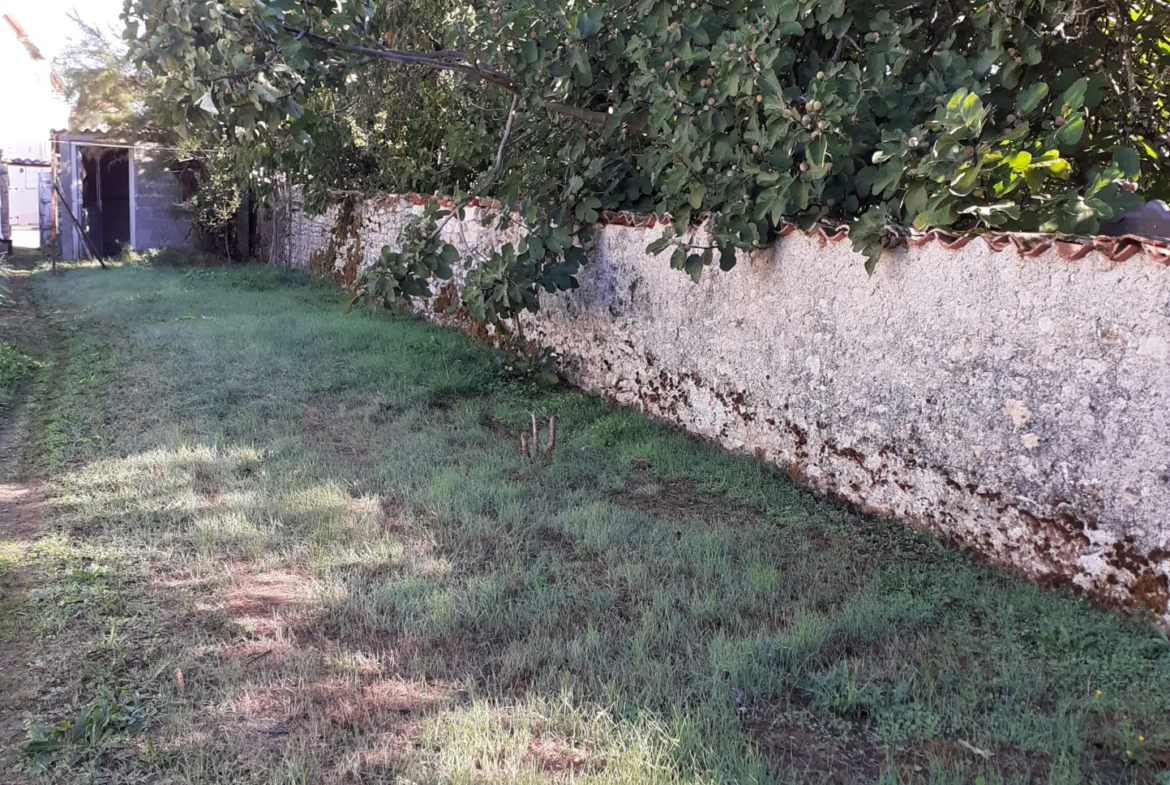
19, 521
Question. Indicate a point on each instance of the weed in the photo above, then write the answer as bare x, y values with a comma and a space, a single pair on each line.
101, 725
182, 257
15, 365
536, 366
256, 278
846, 693
5, 288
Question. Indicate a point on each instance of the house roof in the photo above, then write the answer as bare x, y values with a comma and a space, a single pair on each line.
22, 36
95, 136
65, 132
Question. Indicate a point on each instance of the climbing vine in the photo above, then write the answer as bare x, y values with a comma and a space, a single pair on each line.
732, 117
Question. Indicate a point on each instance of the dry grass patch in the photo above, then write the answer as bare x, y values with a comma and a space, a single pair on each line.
355, 703
555, 756
341, 428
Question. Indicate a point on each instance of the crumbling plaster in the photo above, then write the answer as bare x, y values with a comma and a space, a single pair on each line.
1018, 405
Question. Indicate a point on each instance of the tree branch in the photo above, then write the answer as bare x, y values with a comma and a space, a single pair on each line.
417, 59
504, 140
495, 172
448, 61
588, 115
253, 71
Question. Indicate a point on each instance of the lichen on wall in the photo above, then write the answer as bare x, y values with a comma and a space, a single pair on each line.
1018, 405
341, 259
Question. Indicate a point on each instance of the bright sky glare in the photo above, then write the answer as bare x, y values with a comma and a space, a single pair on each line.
48, 24
31, 108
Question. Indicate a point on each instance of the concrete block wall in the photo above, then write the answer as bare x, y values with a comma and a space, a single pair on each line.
1018, 404
162, 220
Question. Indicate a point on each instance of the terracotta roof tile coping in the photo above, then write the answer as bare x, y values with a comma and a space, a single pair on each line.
1028, 244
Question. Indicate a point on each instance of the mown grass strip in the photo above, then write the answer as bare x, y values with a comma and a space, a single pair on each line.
295, 545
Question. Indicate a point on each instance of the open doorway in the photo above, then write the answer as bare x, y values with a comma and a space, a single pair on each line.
105, 197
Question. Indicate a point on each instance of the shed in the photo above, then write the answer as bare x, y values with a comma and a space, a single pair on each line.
120, 192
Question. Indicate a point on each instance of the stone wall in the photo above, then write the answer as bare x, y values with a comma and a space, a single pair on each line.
1019, 405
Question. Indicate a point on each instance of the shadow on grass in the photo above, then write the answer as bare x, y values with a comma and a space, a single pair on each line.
356, 584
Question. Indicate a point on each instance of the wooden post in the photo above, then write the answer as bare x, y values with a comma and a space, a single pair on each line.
53, 238
85, 238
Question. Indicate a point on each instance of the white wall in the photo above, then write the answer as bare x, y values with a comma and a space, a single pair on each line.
32, 108
23, 195
1019, 405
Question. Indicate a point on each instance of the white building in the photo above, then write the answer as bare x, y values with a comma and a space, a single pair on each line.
33, 104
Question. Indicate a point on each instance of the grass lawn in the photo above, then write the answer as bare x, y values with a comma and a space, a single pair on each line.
280, 544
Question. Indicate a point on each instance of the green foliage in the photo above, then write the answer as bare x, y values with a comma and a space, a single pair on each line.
14, 366
509, 282
215, 196
105, 723
110, 91
733, 118
536, 366
407, 273
104, 88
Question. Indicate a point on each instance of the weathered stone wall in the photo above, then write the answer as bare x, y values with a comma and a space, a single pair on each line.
1020, 405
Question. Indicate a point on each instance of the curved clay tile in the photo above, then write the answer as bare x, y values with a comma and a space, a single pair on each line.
1159, 253
996, 242
1029, 245
952, 242
1119, 249
1071, 250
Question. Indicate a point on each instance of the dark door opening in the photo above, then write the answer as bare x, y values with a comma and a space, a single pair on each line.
105, 198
